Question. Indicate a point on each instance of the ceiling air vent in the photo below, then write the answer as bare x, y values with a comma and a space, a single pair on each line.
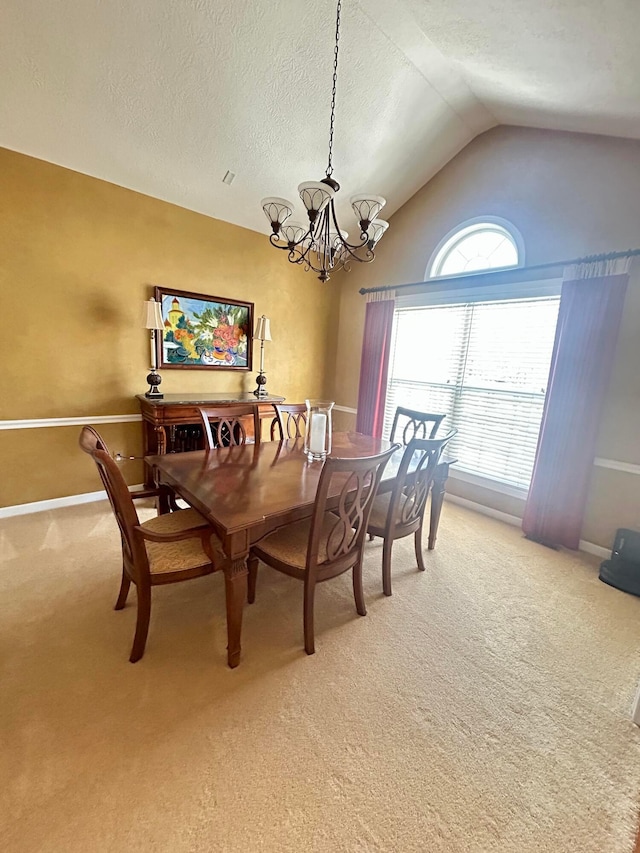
228, 178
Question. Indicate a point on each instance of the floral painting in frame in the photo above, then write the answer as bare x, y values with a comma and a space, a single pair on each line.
200, 331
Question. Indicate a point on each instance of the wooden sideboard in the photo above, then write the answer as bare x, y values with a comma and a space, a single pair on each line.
172, 424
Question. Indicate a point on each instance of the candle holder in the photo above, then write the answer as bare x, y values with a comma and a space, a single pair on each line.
317, 438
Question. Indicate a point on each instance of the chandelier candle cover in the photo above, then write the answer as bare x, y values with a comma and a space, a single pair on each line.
321, 245
262, 334
152, 319
317, 439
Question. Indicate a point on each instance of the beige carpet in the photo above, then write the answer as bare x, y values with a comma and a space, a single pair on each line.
485, 707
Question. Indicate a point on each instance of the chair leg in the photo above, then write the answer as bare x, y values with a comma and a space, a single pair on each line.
358, 592
417, 540
142, 623
124, 591
309, 594
386, 565
252, 565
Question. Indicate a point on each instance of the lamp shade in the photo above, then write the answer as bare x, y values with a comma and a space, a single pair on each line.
377, 229
315, 196
277, 211
152, 315
293, 232
263, 329
367, 207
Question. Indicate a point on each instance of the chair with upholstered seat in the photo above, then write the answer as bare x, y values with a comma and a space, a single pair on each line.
226, 426
331, 541
172, 547
290, 421
400, 512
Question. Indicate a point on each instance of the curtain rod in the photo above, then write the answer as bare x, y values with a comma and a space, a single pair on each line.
589, 259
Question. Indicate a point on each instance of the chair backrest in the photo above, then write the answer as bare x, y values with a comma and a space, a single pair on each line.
414, 479
224, 426
290, 421
409, 423
133, 550
358, 479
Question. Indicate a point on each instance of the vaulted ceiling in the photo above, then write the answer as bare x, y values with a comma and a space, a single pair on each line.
166, 96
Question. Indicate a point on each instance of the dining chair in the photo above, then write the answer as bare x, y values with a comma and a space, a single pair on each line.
290, 421
410, 423
164, 495
400, 512
226, 426
172, 547
332, 540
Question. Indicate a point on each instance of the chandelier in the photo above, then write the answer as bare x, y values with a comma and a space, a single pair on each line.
322, 245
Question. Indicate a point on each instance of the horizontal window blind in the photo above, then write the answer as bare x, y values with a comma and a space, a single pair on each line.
486, 366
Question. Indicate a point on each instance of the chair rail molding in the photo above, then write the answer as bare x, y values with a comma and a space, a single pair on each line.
41, 423
614, 465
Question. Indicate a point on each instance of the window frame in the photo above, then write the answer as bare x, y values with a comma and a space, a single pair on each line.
452, 293
465, 229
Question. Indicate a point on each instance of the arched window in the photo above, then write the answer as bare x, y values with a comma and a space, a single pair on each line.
479, 244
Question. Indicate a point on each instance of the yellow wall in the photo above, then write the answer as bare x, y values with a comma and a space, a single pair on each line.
77, 258
569, 195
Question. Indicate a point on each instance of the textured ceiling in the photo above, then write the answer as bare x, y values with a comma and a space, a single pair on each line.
165, 96
562, 64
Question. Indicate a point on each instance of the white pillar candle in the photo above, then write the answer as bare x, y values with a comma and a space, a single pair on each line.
318, 432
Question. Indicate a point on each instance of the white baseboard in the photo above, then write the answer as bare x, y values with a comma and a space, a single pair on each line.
587, 547
596, 550
484, 510
56, 503
89, 497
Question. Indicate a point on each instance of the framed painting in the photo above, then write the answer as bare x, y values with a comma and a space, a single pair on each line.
203, 332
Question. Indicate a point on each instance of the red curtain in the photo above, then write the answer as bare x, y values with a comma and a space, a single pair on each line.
583, 353
374, 367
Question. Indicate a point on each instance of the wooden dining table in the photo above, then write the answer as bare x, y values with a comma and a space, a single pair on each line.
247, 491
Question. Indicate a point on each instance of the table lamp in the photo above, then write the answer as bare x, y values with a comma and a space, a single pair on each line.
152, 319
262, 334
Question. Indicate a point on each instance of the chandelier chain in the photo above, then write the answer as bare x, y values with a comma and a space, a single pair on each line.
333, 91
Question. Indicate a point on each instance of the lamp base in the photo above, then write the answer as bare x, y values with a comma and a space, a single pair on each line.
261, 381
154, 379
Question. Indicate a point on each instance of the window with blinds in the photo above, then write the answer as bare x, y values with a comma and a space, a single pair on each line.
486, 365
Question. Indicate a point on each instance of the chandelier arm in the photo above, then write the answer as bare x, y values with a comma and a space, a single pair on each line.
352, 248
327, 261
273, 238
304, 257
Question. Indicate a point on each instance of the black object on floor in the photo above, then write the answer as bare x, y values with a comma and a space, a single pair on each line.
622, 570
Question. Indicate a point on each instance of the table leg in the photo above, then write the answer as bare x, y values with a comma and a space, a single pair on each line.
437, 499
235, 585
